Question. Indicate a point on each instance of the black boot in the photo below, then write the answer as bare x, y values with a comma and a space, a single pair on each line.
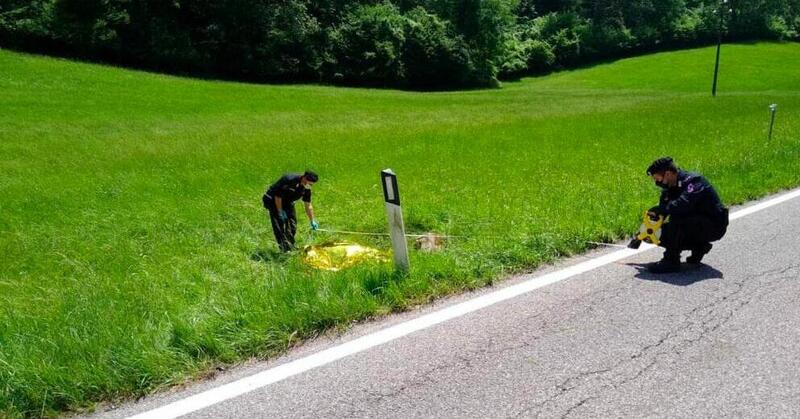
670, 263
698, 253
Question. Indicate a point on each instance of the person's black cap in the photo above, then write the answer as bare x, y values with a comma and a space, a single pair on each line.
311, 176
662, 165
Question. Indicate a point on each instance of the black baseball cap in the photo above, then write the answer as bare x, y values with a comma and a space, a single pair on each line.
662, 165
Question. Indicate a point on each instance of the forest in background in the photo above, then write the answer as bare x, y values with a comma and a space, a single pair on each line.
417, 44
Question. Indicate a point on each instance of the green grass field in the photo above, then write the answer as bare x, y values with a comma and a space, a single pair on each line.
135, 254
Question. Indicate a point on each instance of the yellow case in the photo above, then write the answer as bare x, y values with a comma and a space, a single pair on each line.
650, 230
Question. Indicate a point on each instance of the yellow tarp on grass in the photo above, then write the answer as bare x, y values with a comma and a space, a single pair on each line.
334, 256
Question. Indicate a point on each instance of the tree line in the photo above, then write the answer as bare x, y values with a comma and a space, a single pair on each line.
419, 44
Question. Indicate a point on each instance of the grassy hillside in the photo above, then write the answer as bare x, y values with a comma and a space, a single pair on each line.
134, 251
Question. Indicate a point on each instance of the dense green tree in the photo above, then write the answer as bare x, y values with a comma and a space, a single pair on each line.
367, 46
560, 5
434, 55
90, 24
25, 19
651, 21
412, 43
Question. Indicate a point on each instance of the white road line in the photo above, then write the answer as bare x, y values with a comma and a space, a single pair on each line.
766, 204
273, 375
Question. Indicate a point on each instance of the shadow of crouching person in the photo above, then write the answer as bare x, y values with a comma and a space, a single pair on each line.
688, 274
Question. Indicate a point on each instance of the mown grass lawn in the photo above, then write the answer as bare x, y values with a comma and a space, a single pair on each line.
134, 251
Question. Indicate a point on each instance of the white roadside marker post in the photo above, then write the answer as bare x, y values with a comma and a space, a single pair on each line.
772, 109
395, 216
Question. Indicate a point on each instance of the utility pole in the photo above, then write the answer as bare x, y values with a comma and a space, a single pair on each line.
720, 15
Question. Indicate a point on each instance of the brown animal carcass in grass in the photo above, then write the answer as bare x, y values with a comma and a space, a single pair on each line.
430, 242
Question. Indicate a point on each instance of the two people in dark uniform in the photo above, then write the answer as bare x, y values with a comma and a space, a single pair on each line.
279, 201
695, 216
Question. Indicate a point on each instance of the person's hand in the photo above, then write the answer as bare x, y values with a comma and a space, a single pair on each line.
314, 225
282, 215
654, 212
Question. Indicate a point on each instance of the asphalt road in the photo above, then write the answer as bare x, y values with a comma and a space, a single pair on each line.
721, 340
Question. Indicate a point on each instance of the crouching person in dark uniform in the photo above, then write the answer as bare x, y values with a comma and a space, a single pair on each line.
279, 202
696, 215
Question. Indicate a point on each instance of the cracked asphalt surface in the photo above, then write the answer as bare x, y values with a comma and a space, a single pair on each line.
720, 340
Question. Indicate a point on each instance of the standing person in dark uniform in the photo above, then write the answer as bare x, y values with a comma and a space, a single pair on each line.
279, 202
696, 217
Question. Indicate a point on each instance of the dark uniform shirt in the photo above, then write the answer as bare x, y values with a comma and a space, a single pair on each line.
693, 195
289, 189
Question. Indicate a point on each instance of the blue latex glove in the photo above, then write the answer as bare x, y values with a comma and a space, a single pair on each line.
282, 215
314, 225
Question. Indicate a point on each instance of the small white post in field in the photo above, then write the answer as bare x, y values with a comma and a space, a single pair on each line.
772, 109
394, 214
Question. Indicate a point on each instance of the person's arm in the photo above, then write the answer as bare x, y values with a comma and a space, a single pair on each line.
687, 201
310, 214
279, 188
309, 210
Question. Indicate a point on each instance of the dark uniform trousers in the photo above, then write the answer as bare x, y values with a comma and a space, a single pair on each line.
284, 230
690, 232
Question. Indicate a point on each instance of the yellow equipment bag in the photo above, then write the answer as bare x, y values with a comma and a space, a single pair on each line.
650, 230
337, 255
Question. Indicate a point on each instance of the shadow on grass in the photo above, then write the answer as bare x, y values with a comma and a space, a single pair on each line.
269, 255
687, 276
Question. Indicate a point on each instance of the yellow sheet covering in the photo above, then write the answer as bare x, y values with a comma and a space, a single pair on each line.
337, 255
